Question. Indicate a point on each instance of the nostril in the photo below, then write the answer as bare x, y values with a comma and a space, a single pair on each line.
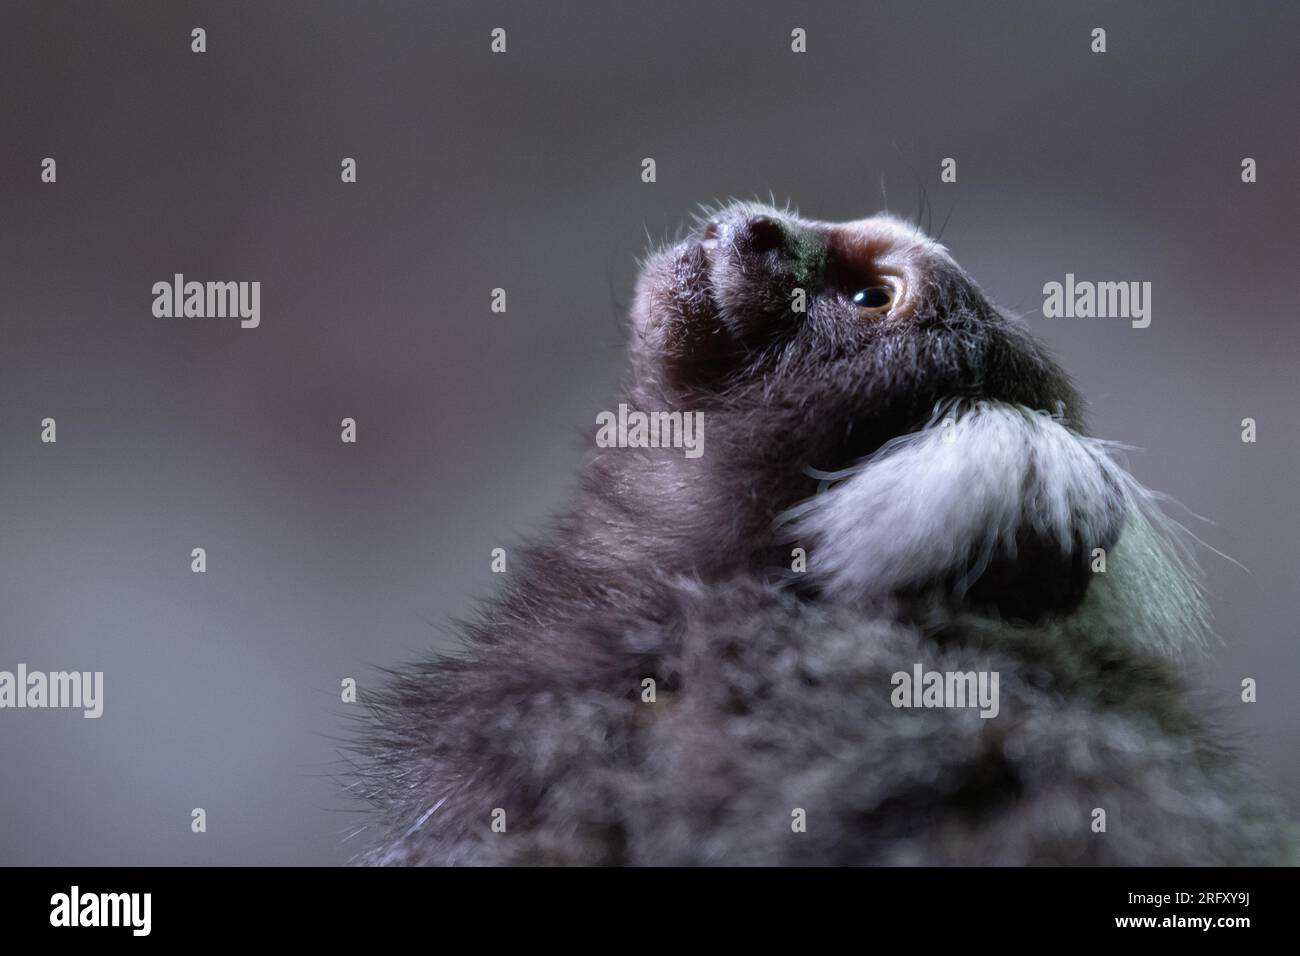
711, 233
761, 234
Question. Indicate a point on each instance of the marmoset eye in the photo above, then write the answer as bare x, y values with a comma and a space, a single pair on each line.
876, 297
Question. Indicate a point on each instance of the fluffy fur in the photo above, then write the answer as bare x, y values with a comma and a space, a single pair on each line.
767, 704
931, 460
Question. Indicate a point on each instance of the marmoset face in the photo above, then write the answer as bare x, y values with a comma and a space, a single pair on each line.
869, 320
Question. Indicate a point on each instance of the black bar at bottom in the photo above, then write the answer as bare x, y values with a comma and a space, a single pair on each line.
436, 908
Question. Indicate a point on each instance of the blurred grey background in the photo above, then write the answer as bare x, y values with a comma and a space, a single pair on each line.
522, 171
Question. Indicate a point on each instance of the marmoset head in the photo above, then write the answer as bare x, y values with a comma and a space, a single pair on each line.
868, 323
861, 349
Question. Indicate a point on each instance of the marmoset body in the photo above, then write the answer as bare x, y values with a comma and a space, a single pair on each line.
714, 658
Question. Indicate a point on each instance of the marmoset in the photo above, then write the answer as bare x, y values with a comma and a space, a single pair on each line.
711, 658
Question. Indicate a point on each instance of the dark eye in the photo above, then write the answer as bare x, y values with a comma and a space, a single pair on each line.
876, 297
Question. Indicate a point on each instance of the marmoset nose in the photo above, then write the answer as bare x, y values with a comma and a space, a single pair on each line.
759, 234
750, 234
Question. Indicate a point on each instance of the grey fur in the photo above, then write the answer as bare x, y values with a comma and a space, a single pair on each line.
773, 689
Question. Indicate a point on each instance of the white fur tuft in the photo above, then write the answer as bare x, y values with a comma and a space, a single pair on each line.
948, 498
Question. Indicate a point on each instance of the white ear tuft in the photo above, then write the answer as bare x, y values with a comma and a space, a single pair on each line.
942, 503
